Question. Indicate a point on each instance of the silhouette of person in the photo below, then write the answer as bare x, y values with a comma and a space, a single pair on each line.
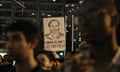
21, 43
98, 20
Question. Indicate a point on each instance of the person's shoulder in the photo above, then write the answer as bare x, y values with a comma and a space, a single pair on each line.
5, 67
48, 36
61, 34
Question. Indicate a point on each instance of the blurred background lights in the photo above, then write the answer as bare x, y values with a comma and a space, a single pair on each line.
1, 4
81, 1
54, 0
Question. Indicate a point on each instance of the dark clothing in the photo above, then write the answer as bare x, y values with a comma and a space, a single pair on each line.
54, 69
10, 68
37, 69
4, 67
114, 66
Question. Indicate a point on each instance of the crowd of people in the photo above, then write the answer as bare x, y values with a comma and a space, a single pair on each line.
6, 64
98, 52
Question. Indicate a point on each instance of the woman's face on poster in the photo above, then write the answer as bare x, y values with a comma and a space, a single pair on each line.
54, 27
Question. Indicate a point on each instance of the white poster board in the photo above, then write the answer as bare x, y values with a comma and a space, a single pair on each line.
54, 34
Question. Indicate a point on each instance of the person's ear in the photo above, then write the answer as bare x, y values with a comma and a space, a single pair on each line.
34, 43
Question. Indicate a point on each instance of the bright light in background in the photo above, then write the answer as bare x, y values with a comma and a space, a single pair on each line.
72, 5
74, 40
81, 1
67, 31
69, 25
67, 5
43, 14
54, 0
33, 14
70, 11
61, 54
1, 4
2, 54
80, 39
49, 15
